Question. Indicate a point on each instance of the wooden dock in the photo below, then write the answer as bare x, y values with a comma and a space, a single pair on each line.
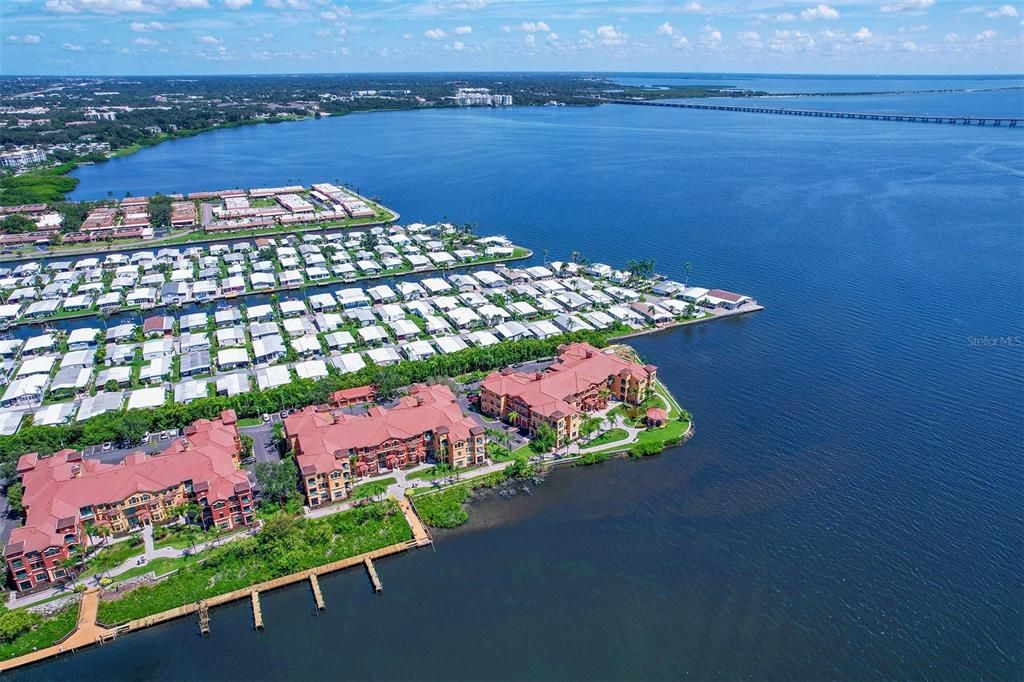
317, 594
204, 618
257, 610
374, 578
88, 631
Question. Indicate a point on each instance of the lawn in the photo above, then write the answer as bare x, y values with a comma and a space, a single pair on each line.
609, 436
46, 632
114, 555
250, 421
160, 566
372, 489
285, 545
178, 538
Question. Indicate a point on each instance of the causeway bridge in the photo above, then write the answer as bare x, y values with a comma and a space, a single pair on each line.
821, 113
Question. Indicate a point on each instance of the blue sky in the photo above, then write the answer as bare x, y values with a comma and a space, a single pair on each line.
289, 36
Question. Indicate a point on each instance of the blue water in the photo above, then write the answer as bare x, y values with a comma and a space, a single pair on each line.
850, 506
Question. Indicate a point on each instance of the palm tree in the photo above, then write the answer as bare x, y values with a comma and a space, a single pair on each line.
688, 267
513, 418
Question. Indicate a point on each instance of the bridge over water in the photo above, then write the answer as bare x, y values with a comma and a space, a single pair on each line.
821, 113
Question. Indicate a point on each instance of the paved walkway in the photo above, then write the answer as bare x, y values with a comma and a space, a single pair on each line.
86, 632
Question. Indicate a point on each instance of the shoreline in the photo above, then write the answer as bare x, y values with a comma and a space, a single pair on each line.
89, 631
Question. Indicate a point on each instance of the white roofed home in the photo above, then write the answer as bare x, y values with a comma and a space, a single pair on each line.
262, 280
311, 369
348, 362
418, 350
543, 329
382, 294
463, 318
404, 329
450, 344
410, 291
232, 358
384, 356
510, 331
231, 337
390, 312
373, 335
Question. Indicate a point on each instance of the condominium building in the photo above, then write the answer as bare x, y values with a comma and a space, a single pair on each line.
65, 491
22, 158
331, 445
581, 380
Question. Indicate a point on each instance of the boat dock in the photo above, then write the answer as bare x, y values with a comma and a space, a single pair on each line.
89, 631
824, 113
374, 578
317, 594
257, 611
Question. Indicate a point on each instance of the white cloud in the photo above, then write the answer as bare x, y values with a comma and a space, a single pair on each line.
909, 46
750, 40
209, 40
72, 47
987, 34
788, 42
462, 30
435, 34
462, 4
552, 37
920, 28
121, 6
28, 39
287, 4
458, 46
908, 6
407, 36
1004, 11
670, 31
528, 27
236, 4
693, 8
711, 37
819, 12
609, 35
147, 26
145, 42
863, 34
529, 40
951, 38
785, 17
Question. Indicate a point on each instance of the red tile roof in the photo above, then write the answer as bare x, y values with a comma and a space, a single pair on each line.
578, 368
57, 487
325, 436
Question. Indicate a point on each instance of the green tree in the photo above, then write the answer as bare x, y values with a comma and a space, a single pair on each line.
17, 224
15, 491
15, 623
278, 481
589, 426
520, 468
134, 424
544, 439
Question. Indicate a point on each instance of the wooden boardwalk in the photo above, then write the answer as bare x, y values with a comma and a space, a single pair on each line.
88, 631
374, 578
